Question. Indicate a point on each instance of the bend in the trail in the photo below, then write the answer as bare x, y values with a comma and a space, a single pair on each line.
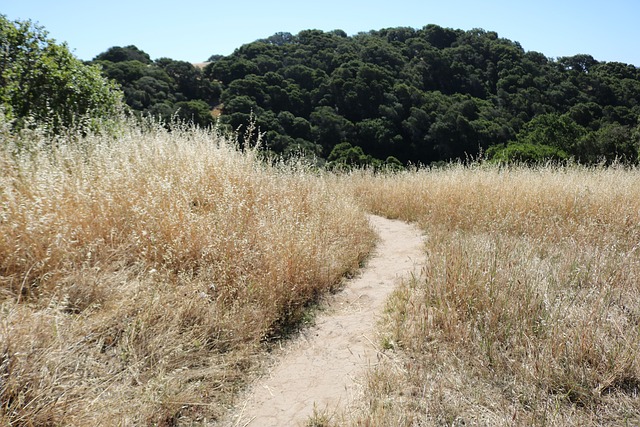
319, 368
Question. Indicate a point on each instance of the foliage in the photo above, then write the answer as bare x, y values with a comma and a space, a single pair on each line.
422, 96
194, 111
121, 54
612, 142
551, 130
427, 95
42, 82
525, 153
346, 155
161, 88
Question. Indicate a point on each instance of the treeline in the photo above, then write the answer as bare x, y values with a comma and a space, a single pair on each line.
163, 88
400, 95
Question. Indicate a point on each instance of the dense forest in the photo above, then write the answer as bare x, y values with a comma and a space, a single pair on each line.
398, 95
162, 88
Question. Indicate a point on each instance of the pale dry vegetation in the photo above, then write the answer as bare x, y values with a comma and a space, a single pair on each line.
527, 311
142, 276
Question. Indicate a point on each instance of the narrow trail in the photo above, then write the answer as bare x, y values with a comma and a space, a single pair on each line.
320, 368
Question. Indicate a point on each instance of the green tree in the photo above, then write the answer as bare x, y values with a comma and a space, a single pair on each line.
438, 36
195, 111
427, 95
393, 164
611, 142
579, 63
329, 127
229, 69
345, 155
552, 130
121, 54
42, 80
124, 72
162, 87
525, 153
189, 80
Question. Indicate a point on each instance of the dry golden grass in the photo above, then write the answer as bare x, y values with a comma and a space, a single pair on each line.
140, 276
527, 309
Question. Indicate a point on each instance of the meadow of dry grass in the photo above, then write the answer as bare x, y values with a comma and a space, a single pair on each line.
527, 308
141, 276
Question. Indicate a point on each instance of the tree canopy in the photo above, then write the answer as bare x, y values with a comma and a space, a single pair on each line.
162, 88
415, 95
41, 81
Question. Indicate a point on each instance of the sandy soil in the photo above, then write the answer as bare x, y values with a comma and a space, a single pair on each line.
321, 368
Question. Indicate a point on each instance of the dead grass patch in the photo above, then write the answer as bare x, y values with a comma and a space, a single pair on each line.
141, 275
526, 312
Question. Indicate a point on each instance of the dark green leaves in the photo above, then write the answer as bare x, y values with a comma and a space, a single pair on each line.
418, 95
164, 88
42, 82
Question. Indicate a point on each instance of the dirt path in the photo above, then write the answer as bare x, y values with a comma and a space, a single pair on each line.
320, 368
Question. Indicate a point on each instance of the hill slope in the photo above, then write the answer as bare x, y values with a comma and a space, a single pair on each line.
420, 95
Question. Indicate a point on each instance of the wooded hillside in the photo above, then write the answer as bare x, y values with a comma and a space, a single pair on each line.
416, 95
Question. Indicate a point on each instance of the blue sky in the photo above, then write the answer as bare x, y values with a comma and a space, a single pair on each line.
194, 30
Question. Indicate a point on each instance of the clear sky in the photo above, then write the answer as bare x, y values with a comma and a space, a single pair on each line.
193, 30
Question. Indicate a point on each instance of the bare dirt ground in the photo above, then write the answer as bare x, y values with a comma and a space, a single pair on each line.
320, 369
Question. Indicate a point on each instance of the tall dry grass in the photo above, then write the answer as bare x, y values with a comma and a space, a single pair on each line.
527, 309
140, 276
